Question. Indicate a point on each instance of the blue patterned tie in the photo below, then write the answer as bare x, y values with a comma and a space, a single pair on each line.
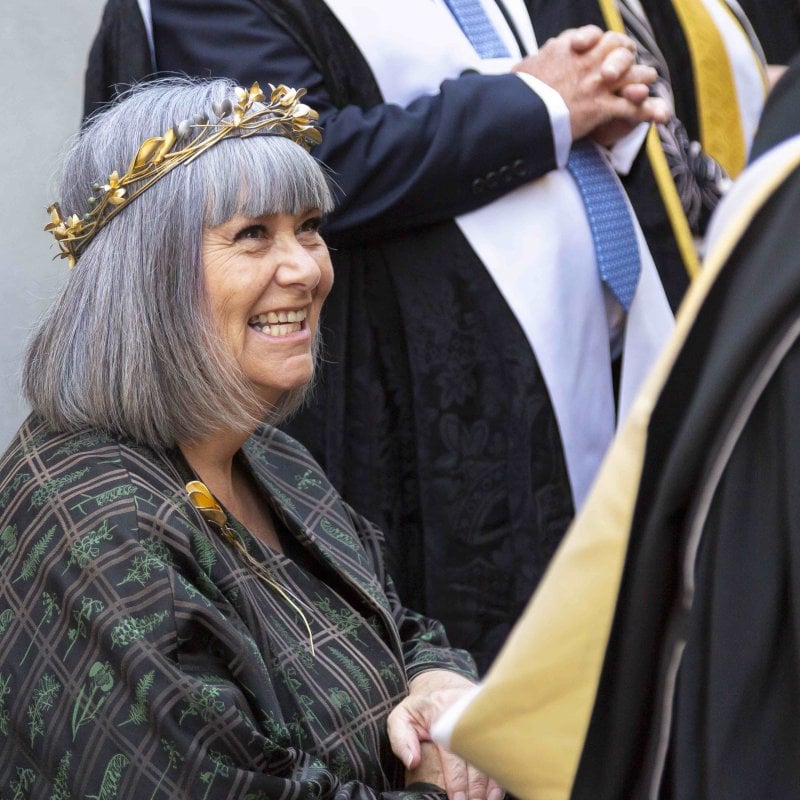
478, 28
615, 245
613, 234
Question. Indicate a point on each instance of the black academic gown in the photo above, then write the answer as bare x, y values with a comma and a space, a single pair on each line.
712, 579
777, 23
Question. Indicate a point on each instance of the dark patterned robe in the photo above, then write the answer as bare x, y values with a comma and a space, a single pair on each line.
140, 658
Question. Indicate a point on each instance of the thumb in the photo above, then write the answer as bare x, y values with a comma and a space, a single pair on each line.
403, 737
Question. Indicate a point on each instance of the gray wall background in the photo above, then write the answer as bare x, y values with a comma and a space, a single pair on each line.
43, 49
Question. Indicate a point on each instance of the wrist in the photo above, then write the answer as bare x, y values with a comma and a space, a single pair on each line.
436, 679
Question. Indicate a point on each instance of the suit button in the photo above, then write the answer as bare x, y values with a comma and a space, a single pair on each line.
478, 186
505, 173
491, 180
520, 170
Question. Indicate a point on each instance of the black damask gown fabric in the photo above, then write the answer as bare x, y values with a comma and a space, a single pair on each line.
141, 658
777, 23
434, 420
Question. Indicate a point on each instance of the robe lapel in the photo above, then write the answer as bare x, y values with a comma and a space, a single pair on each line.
312, 510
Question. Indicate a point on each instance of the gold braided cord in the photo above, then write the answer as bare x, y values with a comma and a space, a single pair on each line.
283, 115
205, 502
681, 229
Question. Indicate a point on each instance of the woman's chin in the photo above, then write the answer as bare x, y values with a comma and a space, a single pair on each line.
270, 396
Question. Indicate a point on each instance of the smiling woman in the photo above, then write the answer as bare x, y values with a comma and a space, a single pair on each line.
175, 379
187, 606
266, 279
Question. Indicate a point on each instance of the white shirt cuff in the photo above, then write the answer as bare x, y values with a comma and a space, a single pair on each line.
559, 116
623, 152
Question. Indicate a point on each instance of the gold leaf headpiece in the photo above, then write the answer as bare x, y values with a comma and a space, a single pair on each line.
283, 115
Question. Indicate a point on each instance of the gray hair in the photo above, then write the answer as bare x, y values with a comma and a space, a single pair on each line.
129, 347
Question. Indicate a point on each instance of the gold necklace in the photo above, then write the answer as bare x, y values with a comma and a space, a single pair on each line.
205, 502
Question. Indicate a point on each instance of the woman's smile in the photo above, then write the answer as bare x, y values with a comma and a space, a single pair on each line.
279, 323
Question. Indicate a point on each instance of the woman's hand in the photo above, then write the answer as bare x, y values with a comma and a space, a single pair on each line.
409, 727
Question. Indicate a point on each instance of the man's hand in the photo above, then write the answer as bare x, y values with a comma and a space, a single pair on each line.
597, 76
409, 727
429, 769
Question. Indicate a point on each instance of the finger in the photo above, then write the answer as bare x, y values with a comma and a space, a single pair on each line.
477, 783
584, 38
635, 93
653, 109
494, 791
429, 770
403, 737
657, 110
617, 63
456, 775
638, 73
611, 40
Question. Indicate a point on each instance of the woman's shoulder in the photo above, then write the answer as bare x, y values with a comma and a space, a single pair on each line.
42, 461
82, 472
69, 500
277, 451
43, 454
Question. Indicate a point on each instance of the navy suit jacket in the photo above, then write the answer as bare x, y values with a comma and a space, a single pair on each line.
397, 168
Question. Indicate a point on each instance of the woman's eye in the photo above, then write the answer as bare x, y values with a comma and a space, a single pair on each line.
311, 225
252, 232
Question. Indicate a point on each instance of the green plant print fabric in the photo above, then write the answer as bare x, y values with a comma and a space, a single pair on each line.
140, 658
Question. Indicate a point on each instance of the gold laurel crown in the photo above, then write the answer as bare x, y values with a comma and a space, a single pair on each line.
283, 115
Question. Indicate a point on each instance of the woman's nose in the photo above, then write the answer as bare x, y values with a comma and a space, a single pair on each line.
298, 265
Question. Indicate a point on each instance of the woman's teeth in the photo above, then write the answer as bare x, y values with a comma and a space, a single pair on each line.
279, 323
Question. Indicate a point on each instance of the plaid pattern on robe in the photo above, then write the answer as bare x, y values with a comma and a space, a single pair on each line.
139, 657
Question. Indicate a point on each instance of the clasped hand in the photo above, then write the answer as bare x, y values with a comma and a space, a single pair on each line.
409, 724
595, 72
